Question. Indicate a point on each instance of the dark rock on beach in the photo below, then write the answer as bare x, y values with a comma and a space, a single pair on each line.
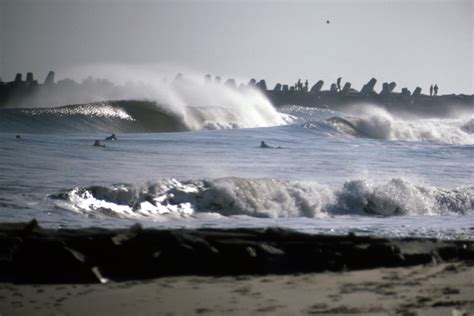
31, 254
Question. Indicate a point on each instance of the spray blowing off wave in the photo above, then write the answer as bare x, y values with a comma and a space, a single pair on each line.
373, 122
184, 105
266, 198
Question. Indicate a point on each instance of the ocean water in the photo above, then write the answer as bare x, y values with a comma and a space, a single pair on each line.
358, 170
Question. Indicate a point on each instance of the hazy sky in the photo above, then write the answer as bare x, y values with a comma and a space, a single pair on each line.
415, 42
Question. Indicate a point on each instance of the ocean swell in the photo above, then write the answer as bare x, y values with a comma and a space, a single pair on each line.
266, 198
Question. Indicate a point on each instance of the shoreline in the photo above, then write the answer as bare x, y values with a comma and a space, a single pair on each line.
266, 271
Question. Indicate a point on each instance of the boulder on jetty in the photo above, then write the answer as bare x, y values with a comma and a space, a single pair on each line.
277, 87
346, 88
317, 87
417, 92
49, 78
368, 88
208, 79
333, 87
385, 89
406, 92
29, 78
284, 88
392, 86
262, 85
252, 82
230, 83
18, 78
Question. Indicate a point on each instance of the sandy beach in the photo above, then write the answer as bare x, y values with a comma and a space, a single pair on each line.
237, 272
445, 289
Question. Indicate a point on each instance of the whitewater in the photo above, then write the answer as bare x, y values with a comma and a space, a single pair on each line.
191, 158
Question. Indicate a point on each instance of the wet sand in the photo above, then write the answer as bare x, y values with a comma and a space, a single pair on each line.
445, 289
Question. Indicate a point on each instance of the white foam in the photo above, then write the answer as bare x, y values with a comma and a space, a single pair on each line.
271, 198
375, 122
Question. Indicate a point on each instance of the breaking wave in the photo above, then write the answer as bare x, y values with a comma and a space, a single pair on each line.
266, 198
184, 105
379, 124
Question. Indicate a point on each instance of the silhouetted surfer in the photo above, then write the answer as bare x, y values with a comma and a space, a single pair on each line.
111, 137
98, 144
264, 145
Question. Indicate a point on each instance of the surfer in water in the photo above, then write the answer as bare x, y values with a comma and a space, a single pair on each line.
264, 145
111, 137
98, 144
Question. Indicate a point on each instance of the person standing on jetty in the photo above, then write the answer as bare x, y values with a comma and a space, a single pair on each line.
431, 90
435, 89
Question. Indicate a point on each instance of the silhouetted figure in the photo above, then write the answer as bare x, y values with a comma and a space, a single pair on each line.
18, 137
111, 137
435, 89
299, 85
339, 84
306, 86
98, 144
264, 145
431, 90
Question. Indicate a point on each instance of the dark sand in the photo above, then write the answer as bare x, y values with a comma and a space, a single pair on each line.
445, 289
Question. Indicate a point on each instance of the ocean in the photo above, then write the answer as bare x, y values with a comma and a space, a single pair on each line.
359, 169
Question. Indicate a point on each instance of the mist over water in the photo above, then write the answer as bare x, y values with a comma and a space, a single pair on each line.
153, 105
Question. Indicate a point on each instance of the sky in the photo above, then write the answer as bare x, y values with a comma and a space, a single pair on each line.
411, 42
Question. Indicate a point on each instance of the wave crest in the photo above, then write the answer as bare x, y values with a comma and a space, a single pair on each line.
267, 198
379, 124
